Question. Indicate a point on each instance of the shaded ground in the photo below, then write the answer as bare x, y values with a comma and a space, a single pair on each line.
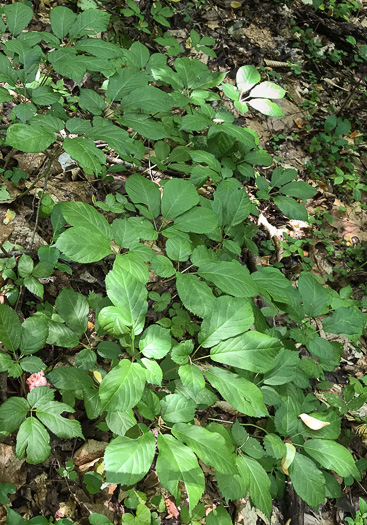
307, 53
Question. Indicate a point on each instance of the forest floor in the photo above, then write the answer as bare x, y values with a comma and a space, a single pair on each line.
308, 54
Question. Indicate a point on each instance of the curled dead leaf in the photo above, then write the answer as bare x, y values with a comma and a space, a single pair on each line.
288, 458
312, 422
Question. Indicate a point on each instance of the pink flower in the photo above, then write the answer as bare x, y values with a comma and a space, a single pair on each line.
37, 379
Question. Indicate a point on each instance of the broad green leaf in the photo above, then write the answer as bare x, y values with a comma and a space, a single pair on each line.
251, 351
330, 431
34, 286
91, 101
178, 196
230, 276
7, 73
180, 352
33, 440
178, 249
299, 190
128, 460
129, 295
124, 81
231, 202
209, 446
119, 422
98, 47
347, 321
177, 463
291, 208
229, 317
83, 245
331, 456
12, 414
327, 354
308, 481
138, 55
117, 138
177, 408
242, 135
73, 308
192, 378
6, 361
86, 359
314, 296
218, 516
30, 139
197, 220
142, 190
255, 480
115, 321
258, 157
154, 373
32, 364
5, 96
5, 489
267, 90
84, 215
271, 282
155, 342
242, 394
44, 95
162, 266
132, 263
49, 413
61, 335
148, 99
246, 77
62, 18
286, 417
89, 22
10, 328
18, 16
85, 152
284, 368
195, 294
195, 122
145, 126
266, 107
274, 446
280, 176
69, 378
122, 388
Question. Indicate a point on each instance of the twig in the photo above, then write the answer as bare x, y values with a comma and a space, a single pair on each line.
16, 253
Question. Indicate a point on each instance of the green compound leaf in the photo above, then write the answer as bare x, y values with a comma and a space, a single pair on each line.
314, 296
49, 413
177, 463
291, 208
331, 456
177, 408
33, 440
197, 220
31, 139
10, 328
209, 446
128, 460
155, 342
347, 321
83, 245
73, 308
231, 277
229, 317
243, 395
18, 17
129, 295
85, 152
274, 446
142, 190
251, 351
122, 388
255, 480
12, 414
308, 481
62, 18
195, 294
192, 378
178, 196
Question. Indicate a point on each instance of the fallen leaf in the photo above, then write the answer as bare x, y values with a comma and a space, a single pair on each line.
312, 422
